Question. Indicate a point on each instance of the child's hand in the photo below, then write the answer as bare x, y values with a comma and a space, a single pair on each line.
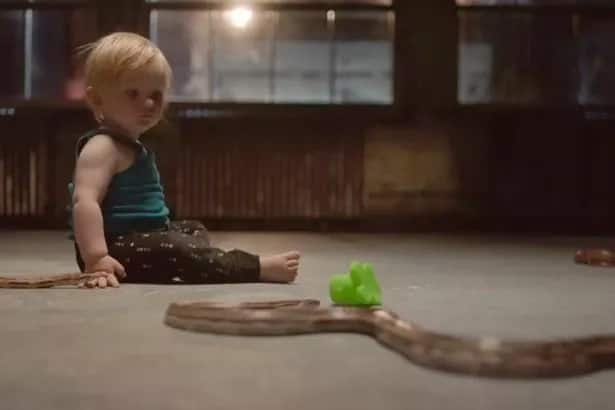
107, 264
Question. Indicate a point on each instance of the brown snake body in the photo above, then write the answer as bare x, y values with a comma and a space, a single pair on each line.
595, 257
50, 281
486, 357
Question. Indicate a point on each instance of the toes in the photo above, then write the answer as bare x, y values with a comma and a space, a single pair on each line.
112, 281
292, 255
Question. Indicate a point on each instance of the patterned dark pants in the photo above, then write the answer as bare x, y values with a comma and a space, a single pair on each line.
183, 251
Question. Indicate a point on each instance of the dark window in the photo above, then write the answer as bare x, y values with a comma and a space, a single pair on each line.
39, 52
536, 52
516, 58
596, 41
12, 46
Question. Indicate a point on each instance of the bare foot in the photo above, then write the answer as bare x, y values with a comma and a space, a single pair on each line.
280, 268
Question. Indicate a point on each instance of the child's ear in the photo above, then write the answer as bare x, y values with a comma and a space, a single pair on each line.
93, 98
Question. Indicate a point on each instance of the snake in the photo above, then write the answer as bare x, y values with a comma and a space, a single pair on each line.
480, 357
49, 281
595, 257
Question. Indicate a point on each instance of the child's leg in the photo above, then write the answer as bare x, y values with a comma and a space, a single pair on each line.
275, 268
161, 256
190, 227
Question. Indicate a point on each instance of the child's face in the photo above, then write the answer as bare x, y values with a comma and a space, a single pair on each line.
135, 103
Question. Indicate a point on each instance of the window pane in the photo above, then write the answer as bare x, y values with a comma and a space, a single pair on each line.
43, 63
363, 57
242, 56
12, 46
302, 58
50, 53
81, 29
184, 38
516, 58
597, 61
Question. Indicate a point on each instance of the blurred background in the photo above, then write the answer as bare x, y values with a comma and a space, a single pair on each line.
356, 115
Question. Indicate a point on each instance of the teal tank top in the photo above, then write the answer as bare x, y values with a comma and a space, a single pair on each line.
135, 200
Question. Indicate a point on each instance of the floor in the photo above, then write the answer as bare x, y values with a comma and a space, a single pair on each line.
108, 349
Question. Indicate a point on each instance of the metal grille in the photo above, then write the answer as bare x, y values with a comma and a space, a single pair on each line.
23, 177
230, 178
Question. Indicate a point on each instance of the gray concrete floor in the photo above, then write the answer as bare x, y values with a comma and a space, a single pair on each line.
108, 349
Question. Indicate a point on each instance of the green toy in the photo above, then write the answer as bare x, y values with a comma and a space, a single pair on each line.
358, 287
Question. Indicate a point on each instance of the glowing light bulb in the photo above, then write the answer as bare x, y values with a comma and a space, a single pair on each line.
239, 17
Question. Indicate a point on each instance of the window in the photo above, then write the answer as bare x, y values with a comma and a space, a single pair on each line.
242, 56
303, 49
11, 44
39, 45
516, 58
518, 55
596, 60
364, 52
191, 62
304, 55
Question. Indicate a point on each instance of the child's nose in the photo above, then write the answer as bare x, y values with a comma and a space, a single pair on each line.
149, 103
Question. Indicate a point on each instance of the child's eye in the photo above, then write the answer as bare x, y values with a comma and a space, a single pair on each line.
156, 96
132, 94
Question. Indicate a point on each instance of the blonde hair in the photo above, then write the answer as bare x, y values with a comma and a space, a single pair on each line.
114, 54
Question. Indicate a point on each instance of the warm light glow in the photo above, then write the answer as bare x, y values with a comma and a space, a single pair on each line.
239, 17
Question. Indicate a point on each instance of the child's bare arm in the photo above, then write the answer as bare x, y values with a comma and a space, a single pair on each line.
94, 170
